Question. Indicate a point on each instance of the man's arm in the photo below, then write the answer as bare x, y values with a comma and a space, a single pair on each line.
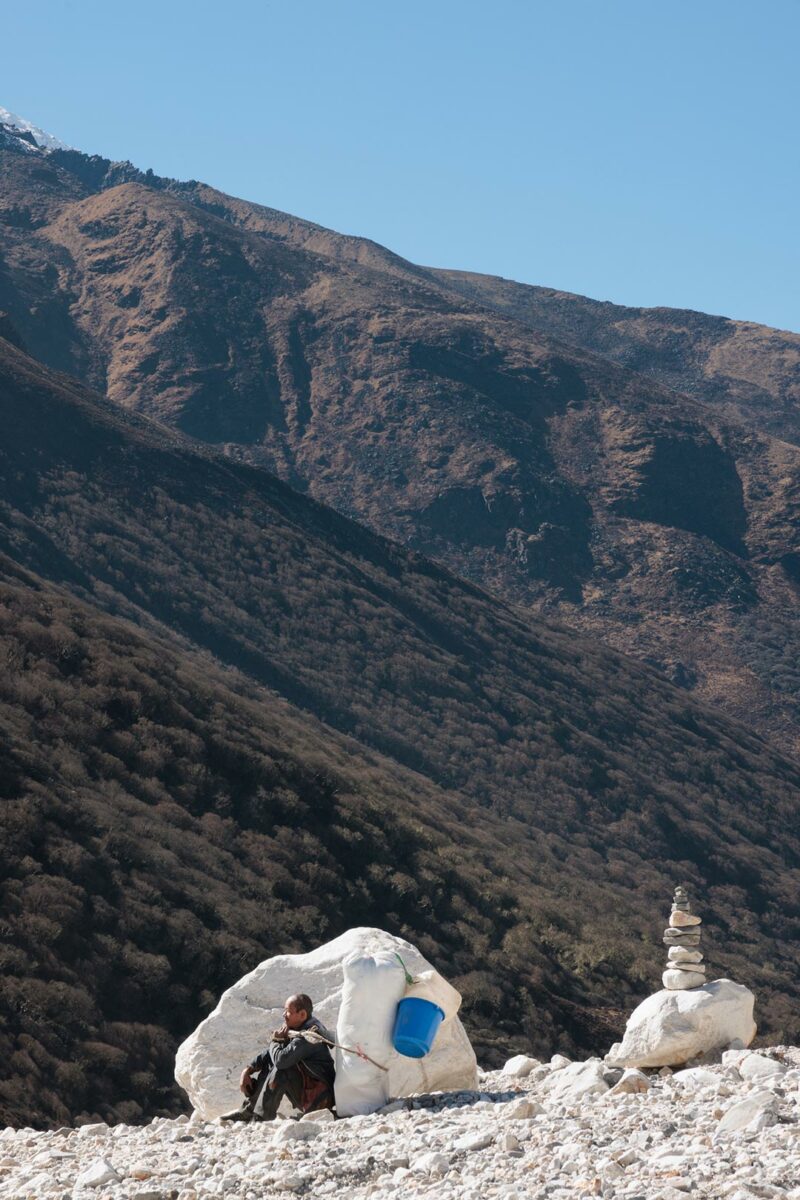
287, 1054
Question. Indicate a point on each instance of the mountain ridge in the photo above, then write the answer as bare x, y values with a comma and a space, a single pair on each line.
550, 474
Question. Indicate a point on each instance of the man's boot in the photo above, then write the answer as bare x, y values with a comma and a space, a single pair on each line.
245, 1113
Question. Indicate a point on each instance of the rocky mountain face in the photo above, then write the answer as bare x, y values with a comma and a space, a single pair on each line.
234, 721
743, 371
533, 442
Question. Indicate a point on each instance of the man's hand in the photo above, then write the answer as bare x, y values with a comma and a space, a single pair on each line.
246, 1082
281, 1035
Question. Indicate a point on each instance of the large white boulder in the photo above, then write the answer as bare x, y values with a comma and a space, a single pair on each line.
208, 1064
669, 1028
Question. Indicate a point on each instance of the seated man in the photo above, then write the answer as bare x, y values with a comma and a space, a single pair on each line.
299, 1068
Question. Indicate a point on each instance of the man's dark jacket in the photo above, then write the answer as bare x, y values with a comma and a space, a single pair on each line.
315, 1056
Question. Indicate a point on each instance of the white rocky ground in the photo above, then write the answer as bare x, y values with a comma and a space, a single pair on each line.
563, 1130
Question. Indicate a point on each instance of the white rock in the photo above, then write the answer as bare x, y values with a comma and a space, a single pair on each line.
522, 1110
210, 1061
577, 1080
431, 1163
320, 1117
520, 1066
682, 954
473, 1141
100, 1172
632, 1081
676, 980
297, 1131
756, 1066
39, 1184
558, 1061
670, 1027
758, 1107
392, 1107
697, 1077
289, 1183
99, 1128
540, 1073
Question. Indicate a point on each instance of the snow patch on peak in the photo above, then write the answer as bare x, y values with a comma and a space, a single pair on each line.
45, 140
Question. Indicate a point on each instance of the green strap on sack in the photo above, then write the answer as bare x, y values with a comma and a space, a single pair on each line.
409, 978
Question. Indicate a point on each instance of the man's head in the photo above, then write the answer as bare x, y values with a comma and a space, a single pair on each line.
297, 1010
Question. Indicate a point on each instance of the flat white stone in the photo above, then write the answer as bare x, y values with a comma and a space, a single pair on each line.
745, 1112
99, 1128
675, 980
683, 954
679, 919
473, 1141
297, 1131
670, 1027
208, 1064
681, 937
100, 1172
697, 968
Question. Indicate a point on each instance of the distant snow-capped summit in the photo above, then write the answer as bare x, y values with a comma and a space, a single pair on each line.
45, 140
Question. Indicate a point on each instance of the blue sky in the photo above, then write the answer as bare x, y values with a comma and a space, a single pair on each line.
631, 150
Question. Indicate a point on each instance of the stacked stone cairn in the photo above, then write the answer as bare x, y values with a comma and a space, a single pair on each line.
685, 966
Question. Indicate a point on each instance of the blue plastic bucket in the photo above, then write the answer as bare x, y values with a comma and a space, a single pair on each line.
415, 1026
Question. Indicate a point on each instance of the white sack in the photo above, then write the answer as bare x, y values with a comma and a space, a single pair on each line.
373, 987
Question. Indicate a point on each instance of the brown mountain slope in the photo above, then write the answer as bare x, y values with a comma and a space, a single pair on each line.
561, 481
742, 370
520, 799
